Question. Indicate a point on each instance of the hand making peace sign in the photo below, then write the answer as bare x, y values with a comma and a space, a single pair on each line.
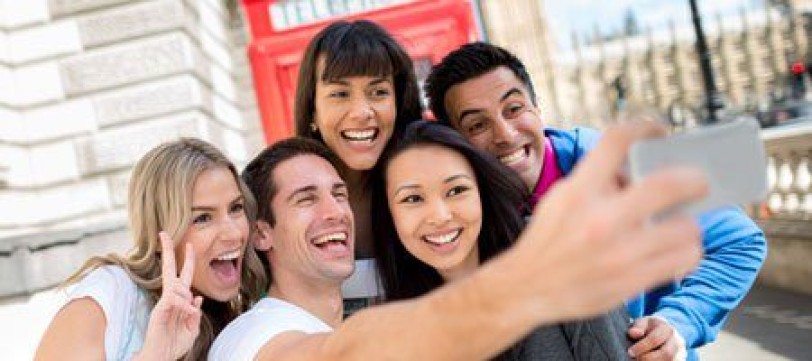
175, 321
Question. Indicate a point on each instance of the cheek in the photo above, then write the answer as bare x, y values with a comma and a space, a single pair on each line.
404, 224
531, 127
326, 116
473, 212
481, 141
387, 111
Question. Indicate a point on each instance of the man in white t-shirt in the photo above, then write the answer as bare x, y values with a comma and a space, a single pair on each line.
568, 267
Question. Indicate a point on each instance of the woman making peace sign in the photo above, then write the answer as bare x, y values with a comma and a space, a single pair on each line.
188, 210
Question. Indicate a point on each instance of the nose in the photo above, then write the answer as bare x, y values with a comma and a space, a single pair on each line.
503, 132
331, 209
361, 109
440, 213
231, 229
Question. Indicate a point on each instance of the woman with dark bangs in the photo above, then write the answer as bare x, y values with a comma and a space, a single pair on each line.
437, 224
356, 90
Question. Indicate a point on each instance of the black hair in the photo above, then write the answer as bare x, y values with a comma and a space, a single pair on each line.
359, 48
468, 62
502, 194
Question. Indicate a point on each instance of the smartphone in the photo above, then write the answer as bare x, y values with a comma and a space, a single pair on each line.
731, 155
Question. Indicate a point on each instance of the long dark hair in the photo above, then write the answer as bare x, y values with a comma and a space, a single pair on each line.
502, 195
359, 48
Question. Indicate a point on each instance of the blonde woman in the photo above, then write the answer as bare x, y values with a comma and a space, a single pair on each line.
189, 273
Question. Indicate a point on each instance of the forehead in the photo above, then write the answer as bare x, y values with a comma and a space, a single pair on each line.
410, 165
213, 184
482, 91
302, 171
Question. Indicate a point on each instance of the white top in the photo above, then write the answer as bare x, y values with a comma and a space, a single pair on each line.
244, 337
125, 305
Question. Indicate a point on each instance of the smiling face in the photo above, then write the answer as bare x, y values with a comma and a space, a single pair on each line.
355, 116
436, 210
313, 238
218, 234
494, 112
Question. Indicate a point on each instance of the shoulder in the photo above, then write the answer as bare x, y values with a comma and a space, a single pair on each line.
89, 316
570, 145
726, 225
243, 338
107, 285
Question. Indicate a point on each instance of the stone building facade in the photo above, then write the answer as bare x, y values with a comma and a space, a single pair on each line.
751, 56
751, 53
86, 88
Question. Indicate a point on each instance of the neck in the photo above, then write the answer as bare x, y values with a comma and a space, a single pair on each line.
356, 179
322, 299
462, 270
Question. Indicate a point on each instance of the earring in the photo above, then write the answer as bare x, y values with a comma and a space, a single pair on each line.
313, 128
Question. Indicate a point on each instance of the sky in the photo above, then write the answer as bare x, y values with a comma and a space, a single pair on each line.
566, 16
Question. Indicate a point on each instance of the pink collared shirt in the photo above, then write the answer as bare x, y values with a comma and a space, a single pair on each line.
550, 173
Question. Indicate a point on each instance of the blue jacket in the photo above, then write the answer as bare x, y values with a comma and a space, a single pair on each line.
698, 305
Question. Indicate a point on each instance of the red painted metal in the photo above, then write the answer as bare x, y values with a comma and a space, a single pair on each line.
428, 30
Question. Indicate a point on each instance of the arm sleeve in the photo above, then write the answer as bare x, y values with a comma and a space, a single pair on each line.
735, 249
113, 291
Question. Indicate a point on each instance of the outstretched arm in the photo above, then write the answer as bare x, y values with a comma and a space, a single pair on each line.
571, 262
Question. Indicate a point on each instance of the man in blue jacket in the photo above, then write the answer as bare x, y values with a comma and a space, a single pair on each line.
484, 92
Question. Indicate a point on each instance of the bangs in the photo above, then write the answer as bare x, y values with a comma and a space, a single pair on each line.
353, 53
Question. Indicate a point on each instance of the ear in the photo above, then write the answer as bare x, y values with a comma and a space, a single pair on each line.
263, 237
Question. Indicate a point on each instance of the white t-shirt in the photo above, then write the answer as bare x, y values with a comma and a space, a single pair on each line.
244, 337
126, 309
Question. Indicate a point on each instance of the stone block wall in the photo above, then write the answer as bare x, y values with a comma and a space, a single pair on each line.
86, 88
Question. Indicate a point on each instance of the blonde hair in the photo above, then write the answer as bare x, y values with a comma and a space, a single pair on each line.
160, 199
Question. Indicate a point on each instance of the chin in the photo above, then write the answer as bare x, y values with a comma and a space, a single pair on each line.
362, 165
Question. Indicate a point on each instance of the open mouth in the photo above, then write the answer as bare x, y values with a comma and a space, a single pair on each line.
362, 135
443, 238
227, 265
516, 156
331, 241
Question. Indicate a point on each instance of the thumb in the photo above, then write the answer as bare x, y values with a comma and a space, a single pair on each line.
639, 327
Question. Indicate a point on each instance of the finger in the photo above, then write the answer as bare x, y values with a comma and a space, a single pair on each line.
666, 352
188, 269
660, 253
638, 328
660, 191
659, 332
604, 163
168, 270
193, 320
182, 292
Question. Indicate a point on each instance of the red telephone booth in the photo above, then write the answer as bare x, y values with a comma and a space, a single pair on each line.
428, 29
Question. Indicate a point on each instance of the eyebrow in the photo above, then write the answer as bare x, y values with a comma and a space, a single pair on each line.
447, 180
340, 81
312, 188
210, 208
306, 189
507, 94
455, 177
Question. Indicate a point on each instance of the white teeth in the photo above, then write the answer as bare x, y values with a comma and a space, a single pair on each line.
445, 238
230, 256
359, 135
512, 157
332, 237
